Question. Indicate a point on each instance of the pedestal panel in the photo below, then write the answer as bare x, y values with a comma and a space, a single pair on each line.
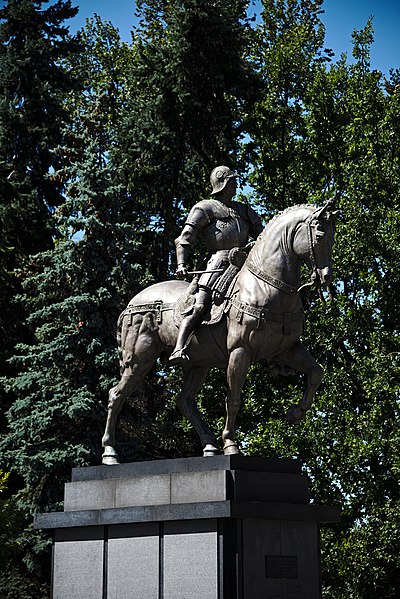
78, 563
133, 560
281, 559
191, 560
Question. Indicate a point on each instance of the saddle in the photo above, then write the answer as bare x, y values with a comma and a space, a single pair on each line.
221, 292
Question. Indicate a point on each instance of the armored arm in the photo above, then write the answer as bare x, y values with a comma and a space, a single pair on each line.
196, 222
183, 244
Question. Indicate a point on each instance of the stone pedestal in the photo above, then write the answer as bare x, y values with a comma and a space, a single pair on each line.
225, 527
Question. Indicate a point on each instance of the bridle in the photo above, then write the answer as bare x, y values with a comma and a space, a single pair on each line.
316, 215
311, 219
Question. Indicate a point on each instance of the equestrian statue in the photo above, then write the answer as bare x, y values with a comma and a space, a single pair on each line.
245, 306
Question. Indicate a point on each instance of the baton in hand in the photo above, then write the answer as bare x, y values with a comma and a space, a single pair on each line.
205, 272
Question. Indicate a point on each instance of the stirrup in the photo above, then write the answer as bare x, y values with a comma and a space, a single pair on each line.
178, 356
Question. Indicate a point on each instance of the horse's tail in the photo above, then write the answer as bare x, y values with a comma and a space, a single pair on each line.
119, 339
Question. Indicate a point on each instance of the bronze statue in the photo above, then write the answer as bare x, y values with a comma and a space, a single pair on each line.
260, 318
222, 224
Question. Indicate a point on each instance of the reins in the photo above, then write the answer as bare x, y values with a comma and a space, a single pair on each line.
281, 285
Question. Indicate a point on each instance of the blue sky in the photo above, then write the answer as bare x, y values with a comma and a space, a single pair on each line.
340, 18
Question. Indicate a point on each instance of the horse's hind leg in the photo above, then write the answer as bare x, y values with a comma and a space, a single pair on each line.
301, 360
139, 353
116, 399
192, 381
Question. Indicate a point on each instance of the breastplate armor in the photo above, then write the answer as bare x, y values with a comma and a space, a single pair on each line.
227, 228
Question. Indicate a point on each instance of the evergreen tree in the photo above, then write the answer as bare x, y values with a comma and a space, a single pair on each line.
33, 81
72, 294
188, 81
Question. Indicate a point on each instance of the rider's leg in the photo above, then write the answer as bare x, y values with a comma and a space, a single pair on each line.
189, 324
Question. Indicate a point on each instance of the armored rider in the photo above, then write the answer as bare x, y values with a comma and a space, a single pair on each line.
222, 224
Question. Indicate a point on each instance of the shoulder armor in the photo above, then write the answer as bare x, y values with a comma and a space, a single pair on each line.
199, 216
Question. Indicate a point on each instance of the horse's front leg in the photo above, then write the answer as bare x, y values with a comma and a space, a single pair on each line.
299, 358
238, 365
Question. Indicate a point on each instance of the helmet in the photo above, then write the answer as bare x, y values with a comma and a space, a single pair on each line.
219, 178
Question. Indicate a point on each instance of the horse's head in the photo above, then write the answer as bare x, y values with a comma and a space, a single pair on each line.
313, 241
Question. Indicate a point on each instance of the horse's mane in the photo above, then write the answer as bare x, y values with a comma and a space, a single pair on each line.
272, 221
283, 212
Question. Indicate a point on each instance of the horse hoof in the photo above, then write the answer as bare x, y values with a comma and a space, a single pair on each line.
230, 448
210, 450
109, 457
295, 414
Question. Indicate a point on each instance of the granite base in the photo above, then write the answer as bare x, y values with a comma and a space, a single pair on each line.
224, 527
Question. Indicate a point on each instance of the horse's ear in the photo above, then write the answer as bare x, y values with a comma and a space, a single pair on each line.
331, 203
331, 216
329, 209
322, 212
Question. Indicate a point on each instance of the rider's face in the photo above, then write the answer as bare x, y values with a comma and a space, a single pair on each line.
231, 186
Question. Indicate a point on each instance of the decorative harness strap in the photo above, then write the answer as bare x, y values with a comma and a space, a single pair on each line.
157, 308
263, 315
264, 276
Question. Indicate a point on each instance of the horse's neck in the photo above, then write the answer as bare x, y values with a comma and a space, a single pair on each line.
273, 255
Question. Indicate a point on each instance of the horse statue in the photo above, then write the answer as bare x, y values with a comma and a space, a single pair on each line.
262, 319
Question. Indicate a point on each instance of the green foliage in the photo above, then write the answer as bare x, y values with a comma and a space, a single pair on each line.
73, 292
287, 54
33, 82
100, 161
187, 80
22, 572
3, 480
338, 133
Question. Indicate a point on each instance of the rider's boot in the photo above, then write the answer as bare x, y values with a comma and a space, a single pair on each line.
188, 325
